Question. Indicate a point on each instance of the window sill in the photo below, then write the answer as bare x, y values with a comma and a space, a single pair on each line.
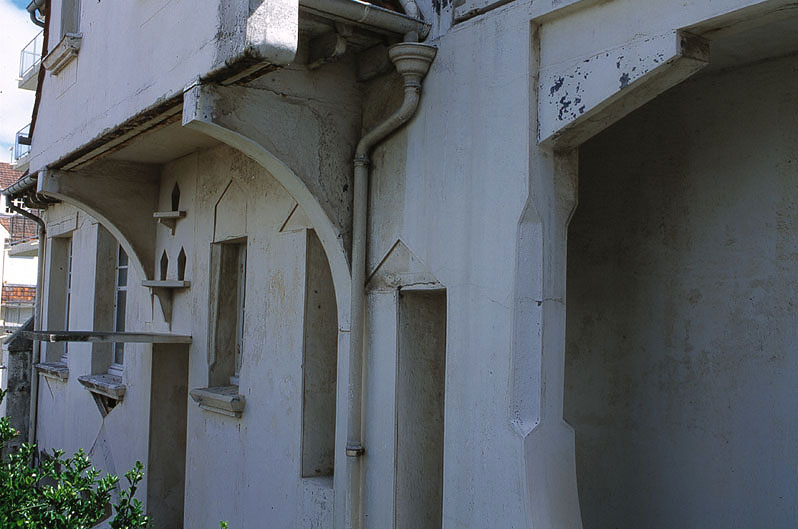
222, 399
64, 53
54, 370
106, 385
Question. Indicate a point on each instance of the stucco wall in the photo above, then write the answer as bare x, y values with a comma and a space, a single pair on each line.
681, 316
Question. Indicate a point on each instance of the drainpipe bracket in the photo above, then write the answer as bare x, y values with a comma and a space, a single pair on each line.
354, 450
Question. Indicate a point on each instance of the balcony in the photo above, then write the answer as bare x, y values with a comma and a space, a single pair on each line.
23, 239
22, 148
30, 61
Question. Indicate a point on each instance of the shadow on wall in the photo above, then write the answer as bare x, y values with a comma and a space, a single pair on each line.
681, 291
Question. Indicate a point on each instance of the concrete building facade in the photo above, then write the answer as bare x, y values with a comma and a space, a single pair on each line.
319, 263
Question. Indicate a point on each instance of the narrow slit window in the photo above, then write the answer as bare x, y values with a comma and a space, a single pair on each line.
181, 265
164, 265
67, 297
120, 308
241, 300
176, 198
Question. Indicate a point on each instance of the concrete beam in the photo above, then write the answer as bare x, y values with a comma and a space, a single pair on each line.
121, 195
538, 11
580, 98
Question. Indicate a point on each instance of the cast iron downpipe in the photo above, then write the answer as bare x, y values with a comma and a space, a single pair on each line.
36, 5
37, 321
412, 61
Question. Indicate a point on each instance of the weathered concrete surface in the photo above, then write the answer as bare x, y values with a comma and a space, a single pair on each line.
94, 94
269, 118
16, 358
122, 195
681, 316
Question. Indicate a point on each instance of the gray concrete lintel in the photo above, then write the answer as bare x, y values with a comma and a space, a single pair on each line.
121, 195
578, 99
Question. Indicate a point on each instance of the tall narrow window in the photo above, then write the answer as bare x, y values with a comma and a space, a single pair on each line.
319, 363
241, 298
67, 297
59, 293
120, 308
420, 398
228, 295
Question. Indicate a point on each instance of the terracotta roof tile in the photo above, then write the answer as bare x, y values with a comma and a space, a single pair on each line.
8, 175
18, 294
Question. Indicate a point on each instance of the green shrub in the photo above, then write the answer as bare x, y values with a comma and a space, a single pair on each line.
62, 493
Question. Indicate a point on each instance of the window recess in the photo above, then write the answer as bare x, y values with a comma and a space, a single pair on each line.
226, 341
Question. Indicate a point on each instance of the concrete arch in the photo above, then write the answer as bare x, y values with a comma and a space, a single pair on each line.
116, 196
330, 237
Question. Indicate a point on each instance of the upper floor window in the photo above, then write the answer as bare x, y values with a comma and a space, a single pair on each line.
70, 17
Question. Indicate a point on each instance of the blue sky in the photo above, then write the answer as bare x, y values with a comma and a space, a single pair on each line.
16, 30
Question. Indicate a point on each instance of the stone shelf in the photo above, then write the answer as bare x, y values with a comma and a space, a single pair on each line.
223, 399
108, 385
169, 218
164, 290
54, 370
166, 283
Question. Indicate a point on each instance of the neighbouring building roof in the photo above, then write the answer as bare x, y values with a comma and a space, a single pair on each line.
8, 175
19, 228
18, 294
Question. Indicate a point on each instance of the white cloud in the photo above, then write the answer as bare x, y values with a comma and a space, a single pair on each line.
16, 105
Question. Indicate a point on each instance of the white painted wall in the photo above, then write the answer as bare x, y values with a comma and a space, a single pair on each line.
681, 317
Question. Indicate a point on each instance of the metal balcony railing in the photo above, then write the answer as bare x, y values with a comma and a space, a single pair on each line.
22, 142
31, 55
21, 230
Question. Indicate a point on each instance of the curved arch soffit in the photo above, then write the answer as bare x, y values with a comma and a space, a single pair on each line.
327, 232
133, 255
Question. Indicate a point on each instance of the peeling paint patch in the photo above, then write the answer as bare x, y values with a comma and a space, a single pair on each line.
564, 104
557, 85
624, 80
570, 91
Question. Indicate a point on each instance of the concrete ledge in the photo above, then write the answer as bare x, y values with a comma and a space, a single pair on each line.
108, 385
24, 249
54, 370
223, 399
64, 53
